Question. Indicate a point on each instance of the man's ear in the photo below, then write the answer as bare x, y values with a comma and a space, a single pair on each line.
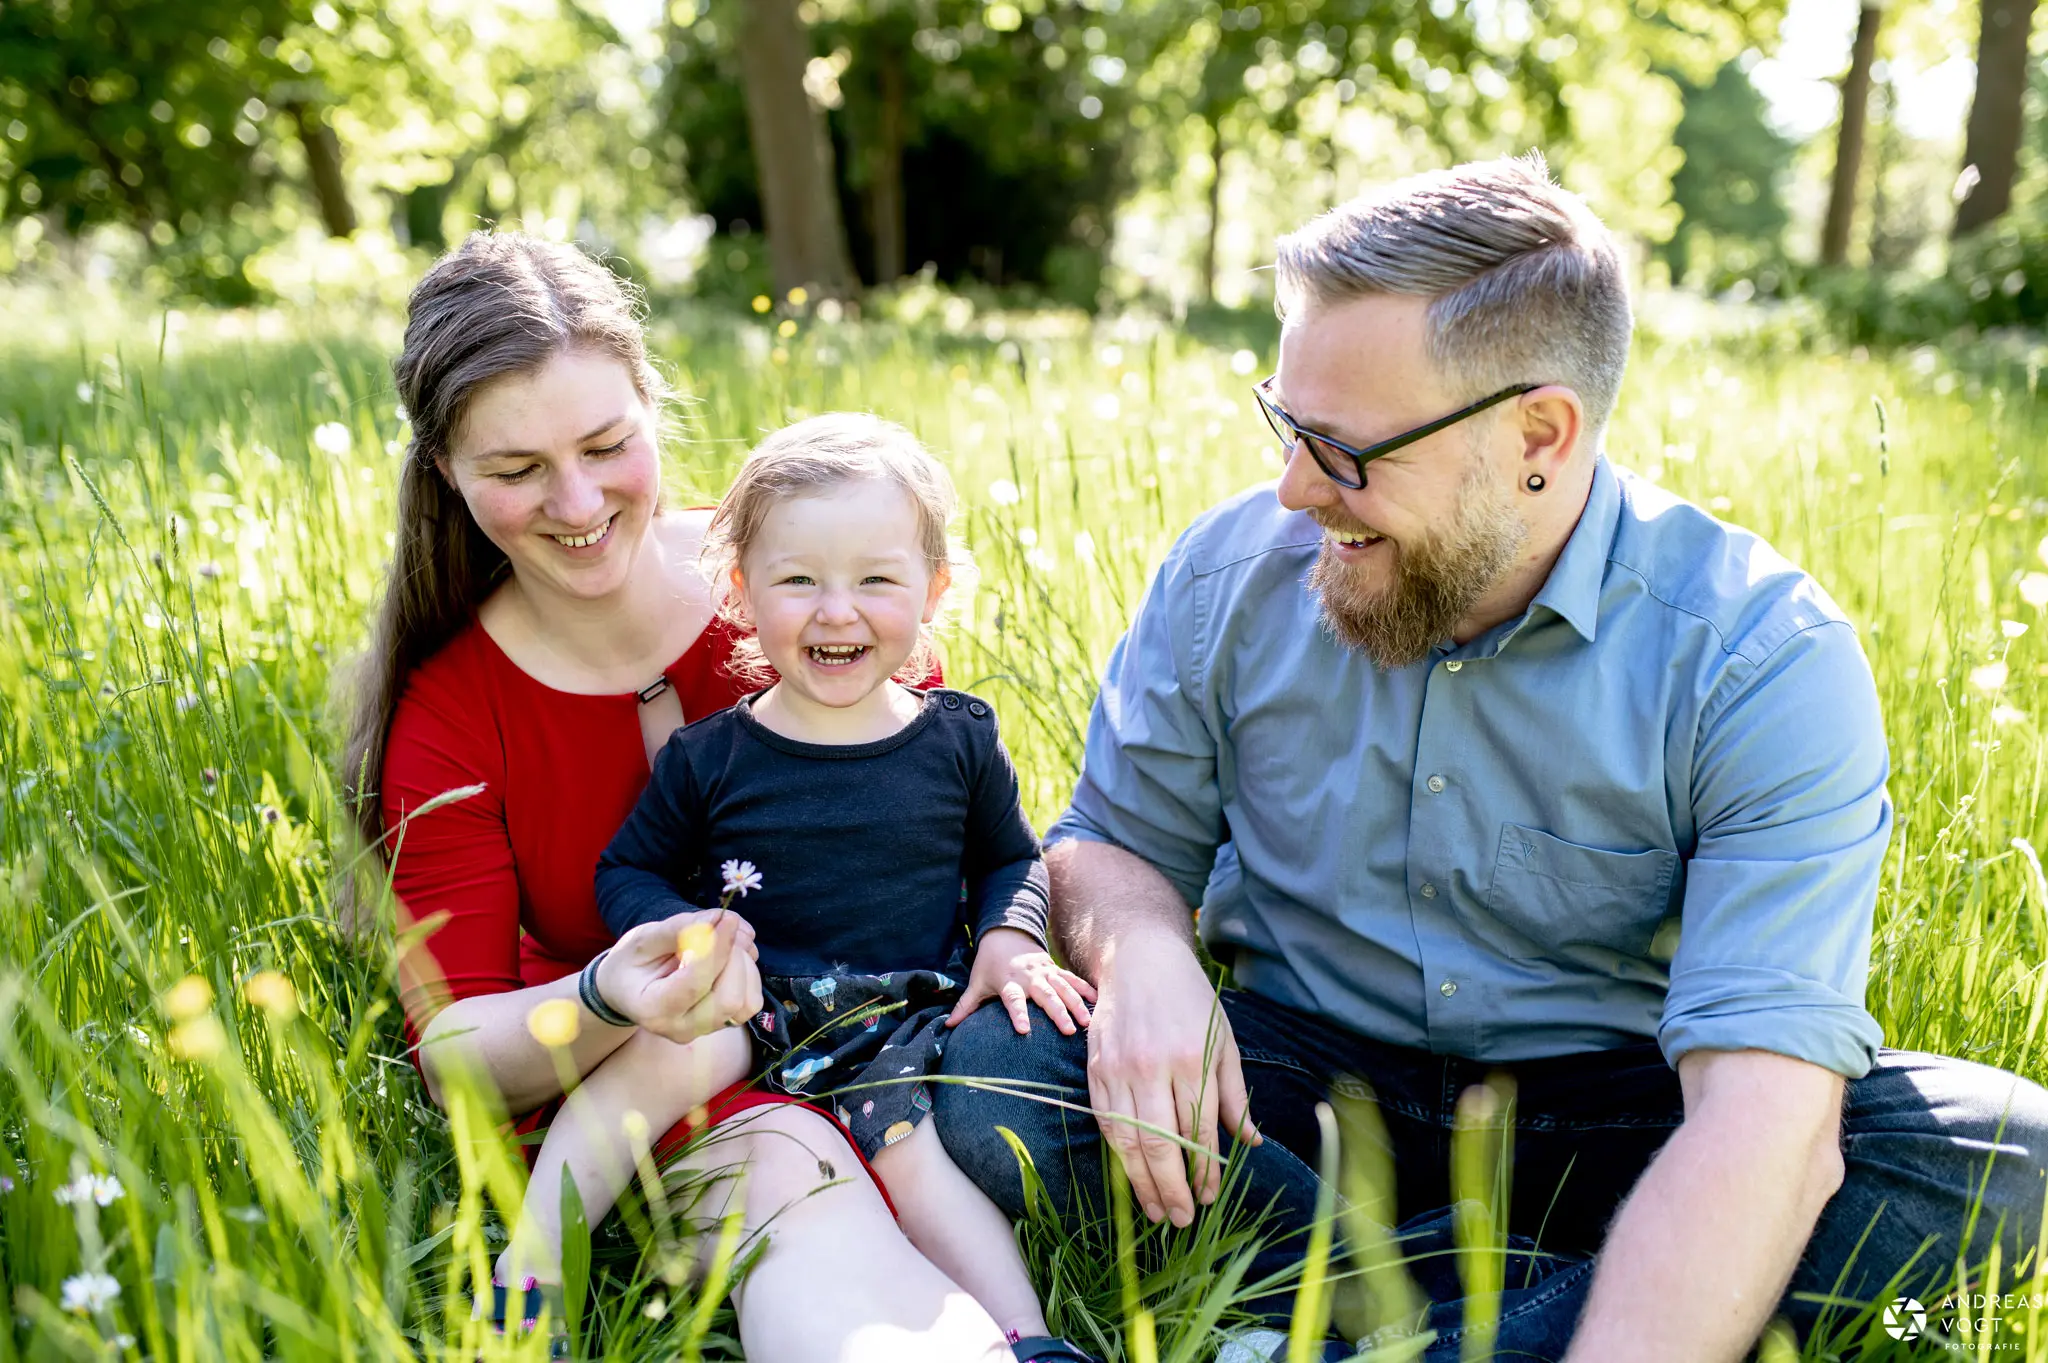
1553, 422
941, 580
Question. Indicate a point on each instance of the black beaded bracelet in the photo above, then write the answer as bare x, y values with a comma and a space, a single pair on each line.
586, 989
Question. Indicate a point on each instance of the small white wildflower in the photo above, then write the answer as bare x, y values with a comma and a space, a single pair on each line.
84, 391
1243, 362
188, 701
2011, 629
1027, 536
89, 1292
1111, 356
1989, 677
740, 877
1084, 545
2034, 590
331, 437
1041, 560
2003, 715
209, 571
1106, 407
1003, 492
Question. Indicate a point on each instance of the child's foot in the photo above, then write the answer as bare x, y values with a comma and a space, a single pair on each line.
532, 1300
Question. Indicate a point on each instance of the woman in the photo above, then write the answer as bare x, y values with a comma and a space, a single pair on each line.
544, 629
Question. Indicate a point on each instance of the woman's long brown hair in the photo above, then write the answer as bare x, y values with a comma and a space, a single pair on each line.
500, 304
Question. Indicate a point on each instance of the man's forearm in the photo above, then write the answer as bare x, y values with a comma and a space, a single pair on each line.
1104, 898
1701, 1252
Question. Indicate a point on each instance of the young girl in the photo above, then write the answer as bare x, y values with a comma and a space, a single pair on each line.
891, 851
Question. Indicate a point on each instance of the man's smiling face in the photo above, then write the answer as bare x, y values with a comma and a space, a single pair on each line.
1408, 555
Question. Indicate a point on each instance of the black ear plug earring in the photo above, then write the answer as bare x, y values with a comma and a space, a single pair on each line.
1535, 483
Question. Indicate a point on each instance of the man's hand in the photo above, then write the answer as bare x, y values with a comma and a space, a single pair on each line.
1010, 965
718, 985
1161, 1051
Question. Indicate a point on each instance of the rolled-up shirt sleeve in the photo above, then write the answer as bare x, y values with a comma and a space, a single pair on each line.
1148, 771
1793, 821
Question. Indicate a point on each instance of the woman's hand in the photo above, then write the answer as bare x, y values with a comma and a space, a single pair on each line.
1010, 965
679, 996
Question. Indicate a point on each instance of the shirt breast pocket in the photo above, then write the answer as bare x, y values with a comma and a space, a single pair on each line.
1561, 895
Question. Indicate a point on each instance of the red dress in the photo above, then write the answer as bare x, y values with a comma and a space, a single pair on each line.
511, 867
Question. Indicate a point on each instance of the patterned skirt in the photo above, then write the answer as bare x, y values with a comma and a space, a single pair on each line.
862, 1044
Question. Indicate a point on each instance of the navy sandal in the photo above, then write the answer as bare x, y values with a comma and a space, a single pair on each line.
534, 1301
1046, 1349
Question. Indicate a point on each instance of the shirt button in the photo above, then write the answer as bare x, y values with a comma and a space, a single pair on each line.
1428, 890
977, 709
951, 702
1436, 785
1454, 664
1447, 988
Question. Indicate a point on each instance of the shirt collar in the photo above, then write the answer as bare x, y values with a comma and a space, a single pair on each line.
1573, 587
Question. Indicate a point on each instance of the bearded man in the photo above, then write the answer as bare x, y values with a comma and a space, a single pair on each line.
1478, 757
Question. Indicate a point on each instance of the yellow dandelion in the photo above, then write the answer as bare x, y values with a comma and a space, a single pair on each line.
188, 998
555, 1023
762, 302
199, 1039
693, 941
273, 993
787, 329
799, 296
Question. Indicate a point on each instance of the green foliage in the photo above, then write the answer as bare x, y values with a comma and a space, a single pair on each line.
1010, 164
1729, 189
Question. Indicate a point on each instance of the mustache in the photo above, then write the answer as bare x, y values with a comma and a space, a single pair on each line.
1339, 524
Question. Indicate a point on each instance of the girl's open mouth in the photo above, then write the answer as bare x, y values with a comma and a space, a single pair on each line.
836, 655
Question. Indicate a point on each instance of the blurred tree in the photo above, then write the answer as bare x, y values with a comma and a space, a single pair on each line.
793, 161
160, 117
965, 134
1728, 190
1834, 235
1992, 141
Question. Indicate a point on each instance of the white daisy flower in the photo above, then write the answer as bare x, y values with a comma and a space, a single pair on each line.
89, 1292
740, 877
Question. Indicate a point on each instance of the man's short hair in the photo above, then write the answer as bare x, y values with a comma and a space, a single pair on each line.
1526, 283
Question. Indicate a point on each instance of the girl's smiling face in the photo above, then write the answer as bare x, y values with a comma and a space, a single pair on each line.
837, 589
560, 471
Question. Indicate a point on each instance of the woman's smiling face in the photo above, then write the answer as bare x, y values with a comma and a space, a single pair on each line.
559, 469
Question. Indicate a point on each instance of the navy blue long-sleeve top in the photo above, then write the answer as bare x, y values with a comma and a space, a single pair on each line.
873, 856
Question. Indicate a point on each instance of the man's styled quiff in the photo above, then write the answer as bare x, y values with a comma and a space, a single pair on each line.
1526, 282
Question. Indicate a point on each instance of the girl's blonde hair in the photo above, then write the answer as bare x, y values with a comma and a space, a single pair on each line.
807, 459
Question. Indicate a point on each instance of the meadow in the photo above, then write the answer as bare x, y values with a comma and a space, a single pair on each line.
211, 1144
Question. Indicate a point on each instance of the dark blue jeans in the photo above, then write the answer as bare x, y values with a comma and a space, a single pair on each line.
1919, 1133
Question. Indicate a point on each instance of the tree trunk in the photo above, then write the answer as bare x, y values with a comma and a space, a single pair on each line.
1834, 237
792, 154
323, 164
885, 185
1991, 146
1215, 122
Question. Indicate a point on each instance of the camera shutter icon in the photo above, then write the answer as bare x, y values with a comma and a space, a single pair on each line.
1905, 1318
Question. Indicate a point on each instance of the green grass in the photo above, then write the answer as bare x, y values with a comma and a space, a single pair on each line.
192, 526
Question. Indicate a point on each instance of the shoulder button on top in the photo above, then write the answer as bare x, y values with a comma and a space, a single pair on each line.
977, 709
951, 702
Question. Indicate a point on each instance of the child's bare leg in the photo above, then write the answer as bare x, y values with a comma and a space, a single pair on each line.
660, 1080
954, 1225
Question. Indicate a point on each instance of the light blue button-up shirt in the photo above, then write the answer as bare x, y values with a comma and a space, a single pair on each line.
1653, 805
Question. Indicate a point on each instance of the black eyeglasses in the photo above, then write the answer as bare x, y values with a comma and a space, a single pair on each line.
1327, 450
